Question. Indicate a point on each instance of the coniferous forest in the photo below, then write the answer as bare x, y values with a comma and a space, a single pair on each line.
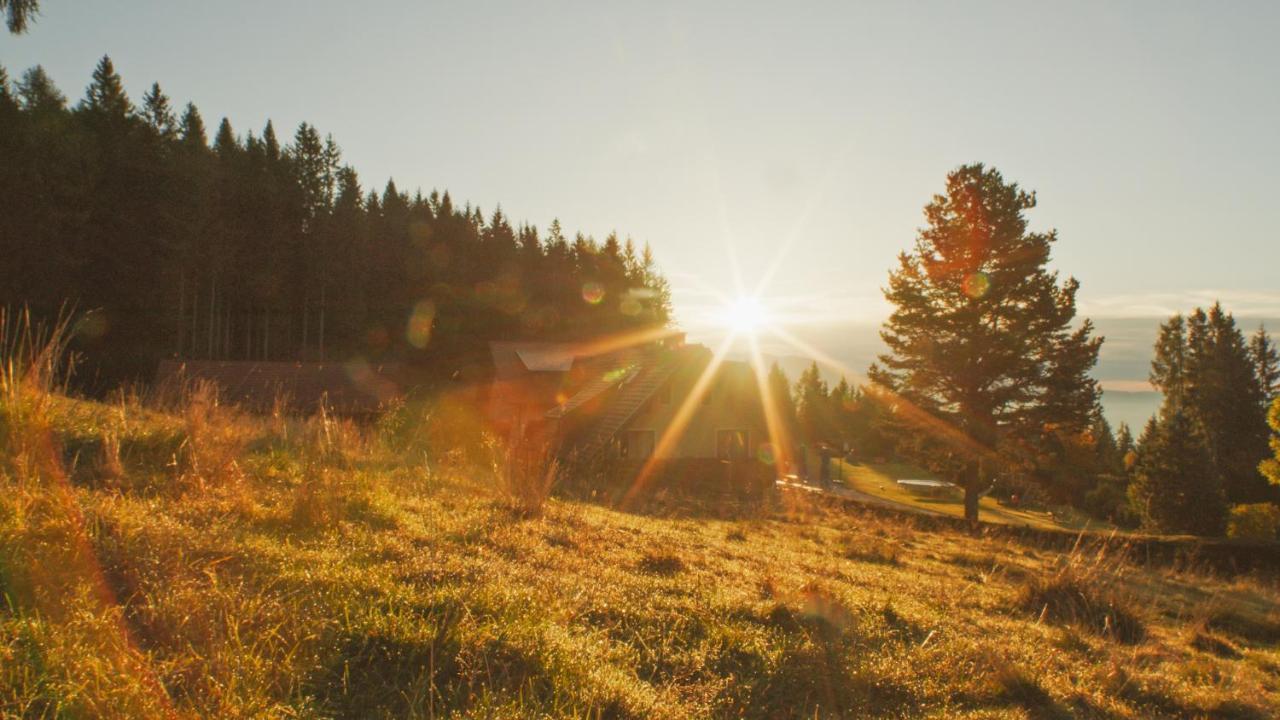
171, 237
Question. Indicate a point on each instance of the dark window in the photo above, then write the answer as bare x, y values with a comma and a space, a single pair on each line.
636, 444
731, 444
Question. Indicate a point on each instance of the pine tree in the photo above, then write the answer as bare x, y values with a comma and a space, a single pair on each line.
785, 405
191, 129
1126, 447
18, 14
1109, 457
158, 114
38, 93
106, 96
270, 145
225, 144
1204, 366
1266, 364
1270, 468
812, 400
1168, 366
211, 252
1176, 488
981, 345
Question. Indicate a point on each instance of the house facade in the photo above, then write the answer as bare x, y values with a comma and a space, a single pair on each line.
622, 403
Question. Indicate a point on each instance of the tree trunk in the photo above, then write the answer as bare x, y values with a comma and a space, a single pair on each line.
182, 310
971, 497
322, 302
195, 321
306, 306
213, 313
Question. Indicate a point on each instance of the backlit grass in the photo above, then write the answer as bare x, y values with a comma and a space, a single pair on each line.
202, 563
880, 481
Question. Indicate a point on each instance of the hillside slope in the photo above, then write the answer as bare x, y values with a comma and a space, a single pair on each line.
200, 563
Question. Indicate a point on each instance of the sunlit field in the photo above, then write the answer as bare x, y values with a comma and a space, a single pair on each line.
880, 481
175, 557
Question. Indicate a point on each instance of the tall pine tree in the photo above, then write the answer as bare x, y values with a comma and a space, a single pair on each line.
982, 350
1176, 488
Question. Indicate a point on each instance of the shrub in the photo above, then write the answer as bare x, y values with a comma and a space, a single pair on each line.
870, 549
526, 475
1109, 500
1085, 592
215, 440
1257, 521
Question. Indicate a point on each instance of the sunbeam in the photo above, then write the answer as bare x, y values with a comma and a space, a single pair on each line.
679, 422
779, 433
905, 409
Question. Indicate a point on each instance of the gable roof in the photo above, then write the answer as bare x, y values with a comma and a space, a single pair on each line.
594, 388
546, 359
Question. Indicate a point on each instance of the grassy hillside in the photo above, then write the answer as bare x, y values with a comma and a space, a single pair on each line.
880, 481
196, 562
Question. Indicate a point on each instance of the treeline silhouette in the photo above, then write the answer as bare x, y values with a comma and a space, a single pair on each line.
249, 248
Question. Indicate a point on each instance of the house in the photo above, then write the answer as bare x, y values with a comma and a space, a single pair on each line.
622, 403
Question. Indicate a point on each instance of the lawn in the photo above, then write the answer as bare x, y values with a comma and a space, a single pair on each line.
880, 480
197, 562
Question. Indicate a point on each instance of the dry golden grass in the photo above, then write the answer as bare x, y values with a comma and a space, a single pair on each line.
280, 567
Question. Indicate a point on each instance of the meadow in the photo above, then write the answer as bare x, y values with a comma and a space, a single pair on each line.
879, 480
180, 558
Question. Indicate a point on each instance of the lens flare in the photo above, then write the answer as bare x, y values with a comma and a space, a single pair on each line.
592, 292
976, 285
420, 323
765, 453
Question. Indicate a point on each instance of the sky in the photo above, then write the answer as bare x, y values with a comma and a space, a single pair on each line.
797, 142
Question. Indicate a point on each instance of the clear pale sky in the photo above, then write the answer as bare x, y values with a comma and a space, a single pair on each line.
1151, 131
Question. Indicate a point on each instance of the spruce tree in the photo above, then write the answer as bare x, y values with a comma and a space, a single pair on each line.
780, 393
982, 353
1176, 488
158, 114
1270, 467
225, 144
18, 14
1266, 364
1107, 451
1126, 447
191, 129
106, 96
1204, 366
1169, 363
812, 399
38, 93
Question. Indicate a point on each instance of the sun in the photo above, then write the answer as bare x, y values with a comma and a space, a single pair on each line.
745, 315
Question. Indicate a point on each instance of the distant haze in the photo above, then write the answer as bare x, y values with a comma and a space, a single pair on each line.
1123, 364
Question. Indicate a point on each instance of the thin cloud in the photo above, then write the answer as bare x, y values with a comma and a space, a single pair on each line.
1242, 303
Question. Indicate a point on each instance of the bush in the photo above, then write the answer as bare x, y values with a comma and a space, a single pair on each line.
1085, 592
526, 475
1110, 500
1258, 521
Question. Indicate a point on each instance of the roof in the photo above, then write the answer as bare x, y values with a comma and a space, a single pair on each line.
516, 359
593, 389
925, 483
546, 359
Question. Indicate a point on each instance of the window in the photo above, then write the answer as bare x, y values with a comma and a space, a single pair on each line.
636, 444
731, 444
